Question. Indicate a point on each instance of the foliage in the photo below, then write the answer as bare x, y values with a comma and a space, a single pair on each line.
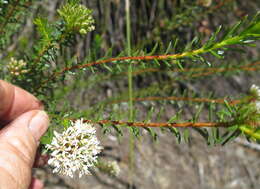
52, 70
12, 14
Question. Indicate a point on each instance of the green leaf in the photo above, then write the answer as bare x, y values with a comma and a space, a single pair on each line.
186, 135
254, 28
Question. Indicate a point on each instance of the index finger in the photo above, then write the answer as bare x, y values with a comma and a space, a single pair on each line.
15, 101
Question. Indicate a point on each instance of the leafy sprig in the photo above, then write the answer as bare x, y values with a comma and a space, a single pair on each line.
45, 72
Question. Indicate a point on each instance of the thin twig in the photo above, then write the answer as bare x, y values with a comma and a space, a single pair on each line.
151, 124
206, 71
140, 58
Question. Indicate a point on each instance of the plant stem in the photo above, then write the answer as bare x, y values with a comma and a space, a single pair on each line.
130, 92
146, 58
164, 124
250, 131
130, 69
142, 58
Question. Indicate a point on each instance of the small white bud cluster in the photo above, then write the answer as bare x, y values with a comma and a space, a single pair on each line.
74, 150
110, 167
87, 25
205, 3
78, 18
17, 67
255, 90
114, 168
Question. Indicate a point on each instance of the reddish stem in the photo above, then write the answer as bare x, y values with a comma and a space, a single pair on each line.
141, 124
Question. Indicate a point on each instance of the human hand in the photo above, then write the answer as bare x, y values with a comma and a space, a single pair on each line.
23, 123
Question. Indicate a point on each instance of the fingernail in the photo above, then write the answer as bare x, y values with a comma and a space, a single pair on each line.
39, 124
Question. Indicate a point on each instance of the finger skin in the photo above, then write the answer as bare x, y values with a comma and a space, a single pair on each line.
36, 184
18, 149
14, 101
18, 141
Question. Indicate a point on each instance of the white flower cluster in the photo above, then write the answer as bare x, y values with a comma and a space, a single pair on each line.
17, 67
74, 150
255, 90
114, 168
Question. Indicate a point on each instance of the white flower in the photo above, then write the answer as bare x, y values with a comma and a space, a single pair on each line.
255, 90
114, 168
74, 150
17, 67
257, 104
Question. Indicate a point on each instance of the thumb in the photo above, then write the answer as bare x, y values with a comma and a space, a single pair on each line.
18, 144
